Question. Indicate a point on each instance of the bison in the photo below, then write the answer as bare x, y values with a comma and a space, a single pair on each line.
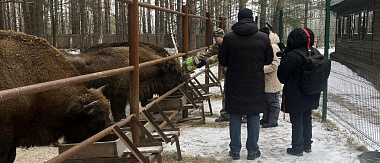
73, 112
157, 79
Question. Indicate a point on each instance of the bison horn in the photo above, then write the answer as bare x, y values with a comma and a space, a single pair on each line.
102, 88
88, 108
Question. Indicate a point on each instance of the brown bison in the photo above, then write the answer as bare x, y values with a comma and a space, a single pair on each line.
74, 112
157, 79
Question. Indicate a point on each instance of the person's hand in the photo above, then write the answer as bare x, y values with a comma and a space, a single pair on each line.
201, 63
189, 64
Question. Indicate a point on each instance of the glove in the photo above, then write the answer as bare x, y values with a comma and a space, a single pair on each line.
201, 63
189, 65
193, 63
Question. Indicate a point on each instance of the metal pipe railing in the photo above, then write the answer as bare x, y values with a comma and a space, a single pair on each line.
197, 50
147, 5
41, 87
159, 99
70, 152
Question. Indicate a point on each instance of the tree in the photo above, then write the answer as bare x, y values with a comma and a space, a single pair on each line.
263, 11
2, 27
192, 25
276, 17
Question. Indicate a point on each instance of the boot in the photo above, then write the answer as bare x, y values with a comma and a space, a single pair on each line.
221, 119
294, 152
252, 156
235, 156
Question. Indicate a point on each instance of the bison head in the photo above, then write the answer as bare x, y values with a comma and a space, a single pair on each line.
87, 115
173, 74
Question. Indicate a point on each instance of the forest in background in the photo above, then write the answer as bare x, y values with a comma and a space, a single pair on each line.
88, 22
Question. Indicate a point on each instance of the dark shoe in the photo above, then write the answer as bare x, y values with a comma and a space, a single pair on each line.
294, 152
221, 119
235, 156
262, 121
268, 125
252, 156
308, 150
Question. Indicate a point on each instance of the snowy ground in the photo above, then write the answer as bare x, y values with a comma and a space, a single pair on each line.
211, 141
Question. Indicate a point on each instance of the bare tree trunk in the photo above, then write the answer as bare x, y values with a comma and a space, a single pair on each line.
306, 12
46, 18
179, 24
82, 24
225, 9
53, 22
39, 18
107, 16
70, 30
276, 20
149, 21
192, 26
9, 24
2, 26
157, 23
20, 20
61, 19
117, 21
162, 25
242, 4
263, 11
124, 26
14, 18
74, 17
100, 24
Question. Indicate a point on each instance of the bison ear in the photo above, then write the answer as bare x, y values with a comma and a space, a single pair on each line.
102, 88
89, 108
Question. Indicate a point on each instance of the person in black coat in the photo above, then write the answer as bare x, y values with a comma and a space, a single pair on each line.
244, 52
294, 100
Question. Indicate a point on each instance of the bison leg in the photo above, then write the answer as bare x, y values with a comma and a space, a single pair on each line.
8, 155
118, 108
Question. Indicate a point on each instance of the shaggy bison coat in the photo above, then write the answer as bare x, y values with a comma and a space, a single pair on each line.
156, 79
74, 112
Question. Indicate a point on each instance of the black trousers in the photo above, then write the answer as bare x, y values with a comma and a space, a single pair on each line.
301, 130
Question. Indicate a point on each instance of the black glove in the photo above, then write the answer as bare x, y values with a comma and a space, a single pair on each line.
280, 54
201, 63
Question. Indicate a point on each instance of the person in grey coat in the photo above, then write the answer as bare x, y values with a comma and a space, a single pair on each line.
244, 52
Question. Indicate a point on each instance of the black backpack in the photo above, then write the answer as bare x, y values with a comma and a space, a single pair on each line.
316, 71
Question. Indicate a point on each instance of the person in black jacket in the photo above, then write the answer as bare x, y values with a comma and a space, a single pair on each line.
295, 101
244, 52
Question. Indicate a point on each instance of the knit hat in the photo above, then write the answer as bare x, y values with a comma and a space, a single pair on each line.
245, 13
218, 33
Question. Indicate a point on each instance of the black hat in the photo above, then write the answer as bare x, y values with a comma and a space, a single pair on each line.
245, 13
265, 30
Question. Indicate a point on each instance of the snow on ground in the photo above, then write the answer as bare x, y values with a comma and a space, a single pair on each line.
328, 146
211, 140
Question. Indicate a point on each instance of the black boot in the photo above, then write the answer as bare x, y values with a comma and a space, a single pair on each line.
253, 155
235, 156
294, 152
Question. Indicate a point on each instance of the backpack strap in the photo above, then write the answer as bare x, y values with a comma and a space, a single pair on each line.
308, 40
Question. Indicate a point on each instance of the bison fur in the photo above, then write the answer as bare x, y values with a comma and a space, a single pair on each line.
156, 79
74, 112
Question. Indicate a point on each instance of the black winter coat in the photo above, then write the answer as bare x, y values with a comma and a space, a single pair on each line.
289, 73
244, 52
